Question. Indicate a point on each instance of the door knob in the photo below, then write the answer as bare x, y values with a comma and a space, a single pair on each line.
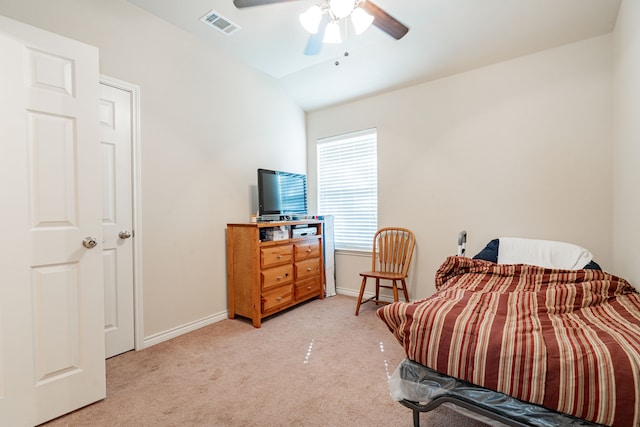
124, 234
89, 242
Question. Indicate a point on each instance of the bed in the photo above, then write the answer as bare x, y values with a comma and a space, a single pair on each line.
553, 342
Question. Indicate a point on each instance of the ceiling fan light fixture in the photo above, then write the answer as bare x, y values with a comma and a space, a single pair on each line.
361, 20
332, 33
341, 8
310, 20
323, 20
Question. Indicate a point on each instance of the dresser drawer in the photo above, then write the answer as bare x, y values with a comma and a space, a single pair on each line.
308, 268
277, 276
276, 298
276, 255
305, 250
307, 288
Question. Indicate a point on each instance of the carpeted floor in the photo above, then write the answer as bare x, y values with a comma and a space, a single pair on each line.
313, 365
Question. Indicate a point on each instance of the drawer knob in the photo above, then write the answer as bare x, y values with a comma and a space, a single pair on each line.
279, 298
308, 251
309, 269
308, 287
279, 278
279, 256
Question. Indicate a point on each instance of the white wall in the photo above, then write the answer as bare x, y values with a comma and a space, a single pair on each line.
520, 148
626, 142
208, 122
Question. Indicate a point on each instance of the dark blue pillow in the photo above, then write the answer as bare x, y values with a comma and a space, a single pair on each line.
490, 253
592, 266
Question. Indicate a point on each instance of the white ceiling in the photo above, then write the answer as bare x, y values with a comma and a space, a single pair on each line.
445, 37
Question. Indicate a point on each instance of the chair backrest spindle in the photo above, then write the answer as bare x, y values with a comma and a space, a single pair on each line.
392, 250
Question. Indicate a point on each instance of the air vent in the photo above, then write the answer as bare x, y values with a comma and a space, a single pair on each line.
220, 23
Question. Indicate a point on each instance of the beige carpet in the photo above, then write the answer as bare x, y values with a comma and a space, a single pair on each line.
314, 365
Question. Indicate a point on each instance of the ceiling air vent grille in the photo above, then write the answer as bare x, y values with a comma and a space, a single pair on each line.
220, 23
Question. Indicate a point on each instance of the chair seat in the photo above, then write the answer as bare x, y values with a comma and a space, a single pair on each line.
384, 275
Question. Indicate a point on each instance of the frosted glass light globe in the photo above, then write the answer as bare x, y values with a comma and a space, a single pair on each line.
361, 20
332, 34
310, 20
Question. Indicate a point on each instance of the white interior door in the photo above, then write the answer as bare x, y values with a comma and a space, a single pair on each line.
51, 285
117, 218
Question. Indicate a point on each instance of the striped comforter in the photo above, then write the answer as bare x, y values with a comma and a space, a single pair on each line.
567, 340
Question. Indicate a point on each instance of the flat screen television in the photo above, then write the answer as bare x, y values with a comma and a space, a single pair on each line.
281, 195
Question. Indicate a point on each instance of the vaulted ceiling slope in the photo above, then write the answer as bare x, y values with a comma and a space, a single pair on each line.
445, 37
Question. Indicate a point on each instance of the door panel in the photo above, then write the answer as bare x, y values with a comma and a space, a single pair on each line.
117, 216
56, 321
51, 298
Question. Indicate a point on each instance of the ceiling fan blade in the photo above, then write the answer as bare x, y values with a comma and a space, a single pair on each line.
250, 3
384, 21
314, 45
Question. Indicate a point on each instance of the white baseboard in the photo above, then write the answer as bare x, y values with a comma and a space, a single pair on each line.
210, 320
354, 293
183, 329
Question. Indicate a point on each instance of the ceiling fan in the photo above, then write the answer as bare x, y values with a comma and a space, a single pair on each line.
322, 20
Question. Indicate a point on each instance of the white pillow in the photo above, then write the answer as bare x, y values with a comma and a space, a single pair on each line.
543, 253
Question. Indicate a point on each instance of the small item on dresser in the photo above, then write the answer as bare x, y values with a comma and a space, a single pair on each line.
276, 233
304, 231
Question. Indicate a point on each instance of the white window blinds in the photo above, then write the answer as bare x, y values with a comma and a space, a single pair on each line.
348, 187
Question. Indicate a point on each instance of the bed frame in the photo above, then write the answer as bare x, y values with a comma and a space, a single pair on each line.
434, 389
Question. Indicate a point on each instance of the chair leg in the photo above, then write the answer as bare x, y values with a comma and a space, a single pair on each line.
377, 291
362, 286
404, 290
395, 291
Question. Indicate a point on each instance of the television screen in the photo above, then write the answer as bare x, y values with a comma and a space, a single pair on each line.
281, 194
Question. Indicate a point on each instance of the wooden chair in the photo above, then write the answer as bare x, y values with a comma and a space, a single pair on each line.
390, 259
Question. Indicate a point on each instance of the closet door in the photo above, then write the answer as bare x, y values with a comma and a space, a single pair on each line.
117, 218
51, 285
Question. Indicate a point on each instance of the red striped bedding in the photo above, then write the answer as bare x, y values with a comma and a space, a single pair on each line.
566, 340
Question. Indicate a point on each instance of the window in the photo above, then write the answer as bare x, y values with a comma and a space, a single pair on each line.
348, 187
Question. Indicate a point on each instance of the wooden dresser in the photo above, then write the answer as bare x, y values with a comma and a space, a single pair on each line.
272, 266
